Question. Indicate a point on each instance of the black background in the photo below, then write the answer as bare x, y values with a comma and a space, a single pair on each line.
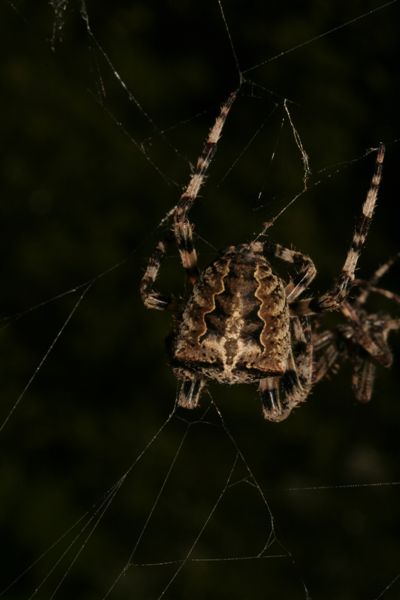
86, 176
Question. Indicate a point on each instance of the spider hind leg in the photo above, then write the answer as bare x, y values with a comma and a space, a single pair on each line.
363, 378
272, 408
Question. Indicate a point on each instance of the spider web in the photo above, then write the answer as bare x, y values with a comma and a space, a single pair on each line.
108, 490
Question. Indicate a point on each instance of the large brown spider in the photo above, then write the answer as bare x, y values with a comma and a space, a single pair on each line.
242, 322
363, 339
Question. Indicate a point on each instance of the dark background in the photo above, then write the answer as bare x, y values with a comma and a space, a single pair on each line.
86, 176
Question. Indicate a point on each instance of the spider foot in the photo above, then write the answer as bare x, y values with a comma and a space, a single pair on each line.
157, 301
190, 392
270, 399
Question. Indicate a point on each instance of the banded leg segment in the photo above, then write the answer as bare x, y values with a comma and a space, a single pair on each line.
335, 349
151, 298
326, 351
306, 268
361, 229
182, 228
333, 299
363, 378
369, 285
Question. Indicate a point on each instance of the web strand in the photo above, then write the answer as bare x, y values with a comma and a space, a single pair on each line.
320, 36
44, 359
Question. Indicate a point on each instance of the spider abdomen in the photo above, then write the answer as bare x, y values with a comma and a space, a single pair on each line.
235, 326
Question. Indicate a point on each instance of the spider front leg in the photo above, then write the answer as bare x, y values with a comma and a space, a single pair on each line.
306, 268
330, 346
182, 228
152, 299
184, 239
333, 299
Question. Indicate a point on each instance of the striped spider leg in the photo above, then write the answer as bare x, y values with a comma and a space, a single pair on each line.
362, 340
334, 298
182, 228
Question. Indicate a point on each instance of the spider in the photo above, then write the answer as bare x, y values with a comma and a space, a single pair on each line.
363, 340
242, 322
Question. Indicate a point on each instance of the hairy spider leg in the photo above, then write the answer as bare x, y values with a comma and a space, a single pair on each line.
333, 299
306, 268
182, 227
152, 299
326, 348
279, 395
386, 293
363, 378
365, 287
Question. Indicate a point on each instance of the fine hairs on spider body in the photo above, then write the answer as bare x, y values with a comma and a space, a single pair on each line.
242, 322
362, 340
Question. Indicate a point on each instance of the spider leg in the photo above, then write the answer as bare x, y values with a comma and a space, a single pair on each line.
333, 299
363, 356
363, 374
386, 293
369, 285
151, 298
363, 335
363, 378
306, 272
189, 392
181, 227
326, 351
269, 389
280, 395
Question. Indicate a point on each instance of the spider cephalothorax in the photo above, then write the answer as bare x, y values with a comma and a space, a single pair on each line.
242, 322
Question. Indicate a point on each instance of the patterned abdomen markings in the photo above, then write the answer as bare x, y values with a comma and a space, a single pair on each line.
236, 321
